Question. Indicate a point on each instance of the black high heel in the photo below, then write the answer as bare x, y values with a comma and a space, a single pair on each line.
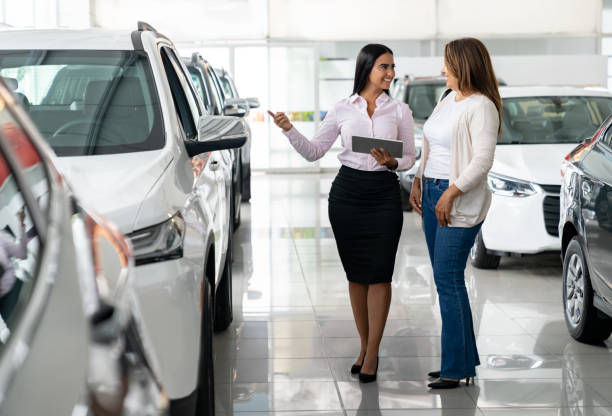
434, 374
356, 368
368, 378
448, 384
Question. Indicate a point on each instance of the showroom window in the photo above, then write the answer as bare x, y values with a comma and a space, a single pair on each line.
44, 13
606, 41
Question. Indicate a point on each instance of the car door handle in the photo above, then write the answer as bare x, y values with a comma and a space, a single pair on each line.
586, 190
214, 164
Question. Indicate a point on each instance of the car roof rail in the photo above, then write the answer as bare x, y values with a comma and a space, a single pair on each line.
146, 27
142, 26
195, 57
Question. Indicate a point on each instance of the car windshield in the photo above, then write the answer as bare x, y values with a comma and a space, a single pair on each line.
547, 120
423, 98
87, 102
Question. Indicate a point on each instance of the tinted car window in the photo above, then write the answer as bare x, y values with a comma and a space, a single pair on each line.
423, 98
181, 104
227, 87
607, 139
200, 87
20, 244
544, 120
217, 85
88, 102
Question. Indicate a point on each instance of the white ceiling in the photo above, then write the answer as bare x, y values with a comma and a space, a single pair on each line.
205, 20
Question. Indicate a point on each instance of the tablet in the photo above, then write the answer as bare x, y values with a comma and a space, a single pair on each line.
365, 144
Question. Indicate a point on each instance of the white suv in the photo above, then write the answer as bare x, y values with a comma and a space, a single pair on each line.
540, 126
120, 111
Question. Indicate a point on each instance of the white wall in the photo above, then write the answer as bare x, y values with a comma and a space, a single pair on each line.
352, 19
519, 17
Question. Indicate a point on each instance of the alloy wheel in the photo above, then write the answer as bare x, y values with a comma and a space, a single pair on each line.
574, 286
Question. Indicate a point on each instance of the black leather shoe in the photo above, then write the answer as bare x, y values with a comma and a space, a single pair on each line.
444, 384
356, 368
368, 378
447, 384
434, 374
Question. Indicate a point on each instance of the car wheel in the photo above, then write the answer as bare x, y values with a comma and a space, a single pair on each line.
206, 379
405, 195
479, 256
223, 296
581, 317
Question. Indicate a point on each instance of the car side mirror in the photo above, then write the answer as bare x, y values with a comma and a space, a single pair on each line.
236, 107
253, 102
217, 133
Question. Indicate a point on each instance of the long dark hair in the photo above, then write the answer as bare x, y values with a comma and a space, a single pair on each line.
469, 61
365, 62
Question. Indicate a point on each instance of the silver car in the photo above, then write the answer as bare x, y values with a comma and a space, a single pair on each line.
69, 327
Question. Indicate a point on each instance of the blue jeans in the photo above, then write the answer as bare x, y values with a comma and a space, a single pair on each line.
449, 248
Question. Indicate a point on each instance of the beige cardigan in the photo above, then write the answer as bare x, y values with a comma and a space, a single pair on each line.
472, 151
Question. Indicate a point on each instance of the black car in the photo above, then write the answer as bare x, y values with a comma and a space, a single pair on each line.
209, 87
585, 228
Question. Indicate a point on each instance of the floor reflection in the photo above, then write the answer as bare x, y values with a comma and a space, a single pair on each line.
292, 341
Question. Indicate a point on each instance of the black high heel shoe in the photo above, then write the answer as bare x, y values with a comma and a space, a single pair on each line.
441, 383
356, 368
368, 378
434, 374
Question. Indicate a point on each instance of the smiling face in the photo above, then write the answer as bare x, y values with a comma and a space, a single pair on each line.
452, 81
383, 72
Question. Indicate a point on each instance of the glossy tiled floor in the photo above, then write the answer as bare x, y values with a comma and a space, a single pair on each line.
293, 340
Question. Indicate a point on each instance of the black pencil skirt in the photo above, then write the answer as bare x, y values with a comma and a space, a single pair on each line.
366, 216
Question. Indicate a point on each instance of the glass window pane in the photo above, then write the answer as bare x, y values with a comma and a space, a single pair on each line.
74, 14
252, 81
19, 13
606, 46
606, 23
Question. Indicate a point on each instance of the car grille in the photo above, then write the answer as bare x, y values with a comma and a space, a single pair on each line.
551, 189
551, 208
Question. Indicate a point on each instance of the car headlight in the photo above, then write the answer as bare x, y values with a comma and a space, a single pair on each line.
505, 186
159, 242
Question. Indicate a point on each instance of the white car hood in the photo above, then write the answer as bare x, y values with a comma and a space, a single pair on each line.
115, 186
538, 163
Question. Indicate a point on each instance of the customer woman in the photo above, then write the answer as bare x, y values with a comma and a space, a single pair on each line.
364, 201
452, 194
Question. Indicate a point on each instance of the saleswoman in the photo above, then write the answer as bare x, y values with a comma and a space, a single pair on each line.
364, 201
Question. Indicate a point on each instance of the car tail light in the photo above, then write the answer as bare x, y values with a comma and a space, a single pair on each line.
575, 154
